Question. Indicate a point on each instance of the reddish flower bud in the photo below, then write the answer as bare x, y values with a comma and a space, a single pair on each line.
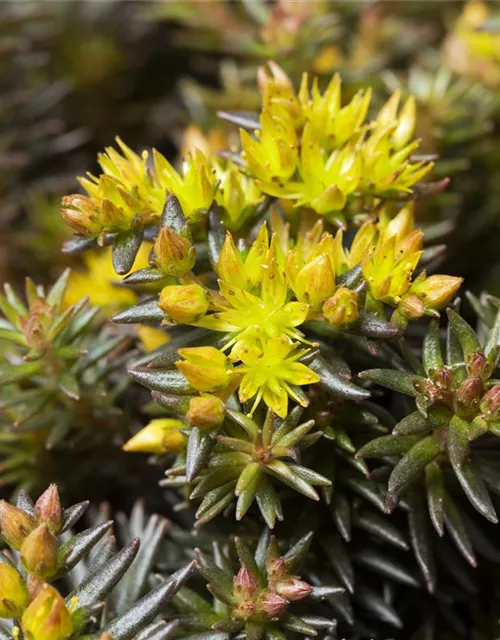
293, 588
48, 509
174, 254
271, 604
15, 524
245, 585
39, 552
470, 391
490, 402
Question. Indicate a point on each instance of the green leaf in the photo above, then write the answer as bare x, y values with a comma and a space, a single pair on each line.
198, 451
247, 495
475, 490
71, 552
412, 465
310, 476
69, 386
458, 441
56, 294
341, 512
144, 312
98, 584
375, 603
215, 501
217, 579
125, 248
432, 357
294, 436
283, 472
337, 556
457, 531
126, 626
379, 526
298, 625
491, 348
269, 503
421, 542
338, 386
401, 381
144, 276
296, 555
371, 326
464, 333
435, 496
173, 217
247, 558
10, 373
388, 446
247, 477
385, 566
164, 380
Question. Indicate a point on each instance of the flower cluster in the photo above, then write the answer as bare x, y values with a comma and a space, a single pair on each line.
323, 155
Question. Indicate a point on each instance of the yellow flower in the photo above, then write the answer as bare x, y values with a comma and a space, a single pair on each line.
324, 182
237, 194
389, 265
194, 186
333, 124
205, 368
98, 281
273, 373
151, 338
272, 155
162, 435
254, 317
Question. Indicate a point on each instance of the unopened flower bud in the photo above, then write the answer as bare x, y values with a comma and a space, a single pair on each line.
48, 509
15, 524
184, 303
271, 604
47, 617
206, 412
490, 402
39, 552
80, 213
162, 435
411, 307
230, 266
293, 588
470, 391
342, 308
315, 282
14, 596
479, 365
206, 368
174, 254
437, 291
245, 585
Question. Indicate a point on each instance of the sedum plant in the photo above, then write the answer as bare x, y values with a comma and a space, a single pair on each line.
42, 549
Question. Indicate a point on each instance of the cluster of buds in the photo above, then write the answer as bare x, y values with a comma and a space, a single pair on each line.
258, 597
457, 402
36, 608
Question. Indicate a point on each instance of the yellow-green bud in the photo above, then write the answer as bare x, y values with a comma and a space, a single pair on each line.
80, 213
174, 254
162, 435
48, 509
206, 412
39, 552
436, 291
315, 282
14, 596
342, 308
184, 303
205, 368
15, 524
47, 617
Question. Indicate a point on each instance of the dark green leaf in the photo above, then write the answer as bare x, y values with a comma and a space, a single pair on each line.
125, 248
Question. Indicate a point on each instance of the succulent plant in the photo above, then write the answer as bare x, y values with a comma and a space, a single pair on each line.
48, 551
